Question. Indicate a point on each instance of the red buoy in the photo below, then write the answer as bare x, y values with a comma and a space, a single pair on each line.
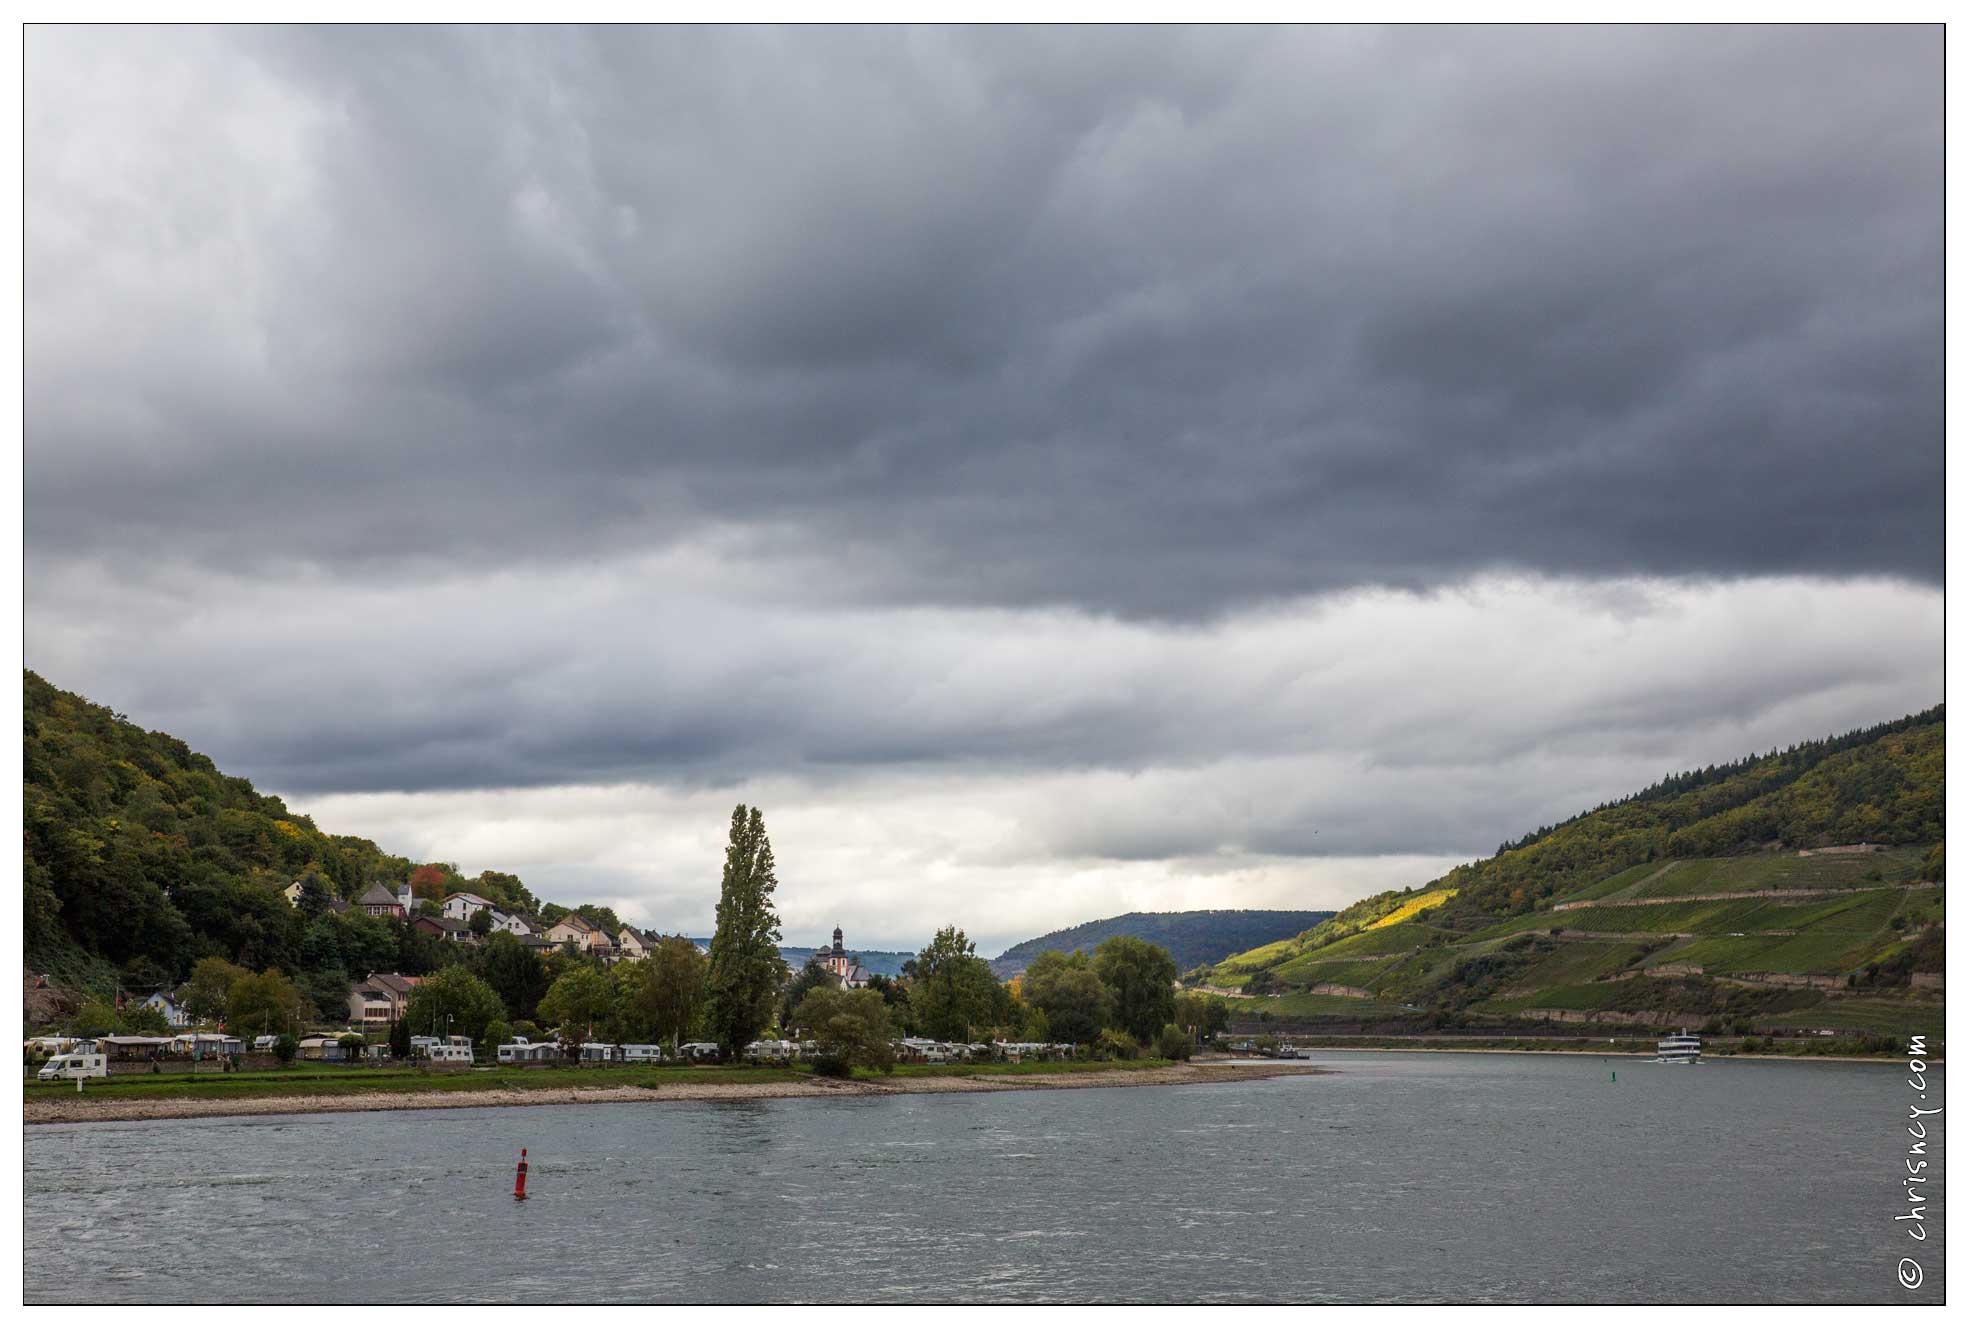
519, 1181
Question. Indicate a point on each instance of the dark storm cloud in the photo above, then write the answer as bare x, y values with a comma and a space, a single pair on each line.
1143, 321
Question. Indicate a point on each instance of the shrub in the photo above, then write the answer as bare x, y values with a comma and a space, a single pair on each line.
1114, 1045
849, 1029
1174, 1044
285, 1047
143, 1020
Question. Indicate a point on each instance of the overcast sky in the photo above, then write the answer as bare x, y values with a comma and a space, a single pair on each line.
1053, 472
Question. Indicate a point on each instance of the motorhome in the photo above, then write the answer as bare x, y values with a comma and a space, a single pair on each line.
77, 1065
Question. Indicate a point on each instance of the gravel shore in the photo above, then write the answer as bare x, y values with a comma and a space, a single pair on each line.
83, 1109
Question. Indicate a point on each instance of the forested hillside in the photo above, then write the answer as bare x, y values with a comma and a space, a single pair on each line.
141, 857
1198, 936
1797, 889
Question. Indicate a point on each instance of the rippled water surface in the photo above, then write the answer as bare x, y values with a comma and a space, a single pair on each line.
1405, 1177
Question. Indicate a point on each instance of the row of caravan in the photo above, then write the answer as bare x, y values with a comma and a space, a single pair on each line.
520, 1052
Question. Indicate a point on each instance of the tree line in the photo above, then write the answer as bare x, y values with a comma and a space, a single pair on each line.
1117, 1001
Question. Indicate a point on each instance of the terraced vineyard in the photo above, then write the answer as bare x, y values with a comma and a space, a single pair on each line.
1817, 937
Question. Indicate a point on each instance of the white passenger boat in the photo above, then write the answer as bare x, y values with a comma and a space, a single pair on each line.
1683, 1049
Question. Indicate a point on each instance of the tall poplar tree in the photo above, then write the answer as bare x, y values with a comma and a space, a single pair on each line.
745, 970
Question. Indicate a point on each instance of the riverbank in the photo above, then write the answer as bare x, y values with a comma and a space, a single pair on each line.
57, 1108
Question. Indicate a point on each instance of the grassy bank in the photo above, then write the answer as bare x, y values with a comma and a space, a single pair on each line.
313, 1082
375, 1093
325, 1082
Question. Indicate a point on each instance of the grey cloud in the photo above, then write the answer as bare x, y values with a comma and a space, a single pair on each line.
1367, 724
1155, 322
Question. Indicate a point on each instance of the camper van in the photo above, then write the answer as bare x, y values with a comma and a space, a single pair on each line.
75, 1066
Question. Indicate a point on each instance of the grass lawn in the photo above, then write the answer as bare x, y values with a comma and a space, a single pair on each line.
311, 1080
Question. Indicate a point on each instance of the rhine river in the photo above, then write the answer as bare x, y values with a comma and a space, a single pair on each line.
1405, 1177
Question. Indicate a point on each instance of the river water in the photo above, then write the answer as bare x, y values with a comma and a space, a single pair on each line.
1404, 1177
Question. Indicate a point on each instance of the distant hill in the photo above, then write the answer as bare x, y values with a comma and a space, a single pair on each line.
1795, 891
1195, 937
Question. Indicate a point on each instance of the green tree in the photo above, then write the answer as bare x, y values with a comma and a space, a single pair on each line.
1206, 1013
138, 1019
400, 1039
515, 972
745, 971
96, 1019
953, 990
496, 1033
579, 1000
813, 974
666, 993
315, 895
480, 922
204, 995
262, 1003
1141, 977
896, 995
284, 1048
850, 1028
1077, 1005
506, 890
453, 1001
1116, 1045
1174, 1044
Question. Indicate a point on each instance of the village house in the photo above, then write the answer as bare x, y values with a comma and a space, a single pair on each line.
166, 1004
461, 905
379, 901
448, 928
380, 998
517, 924
587, 938
292, 895
633, 945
